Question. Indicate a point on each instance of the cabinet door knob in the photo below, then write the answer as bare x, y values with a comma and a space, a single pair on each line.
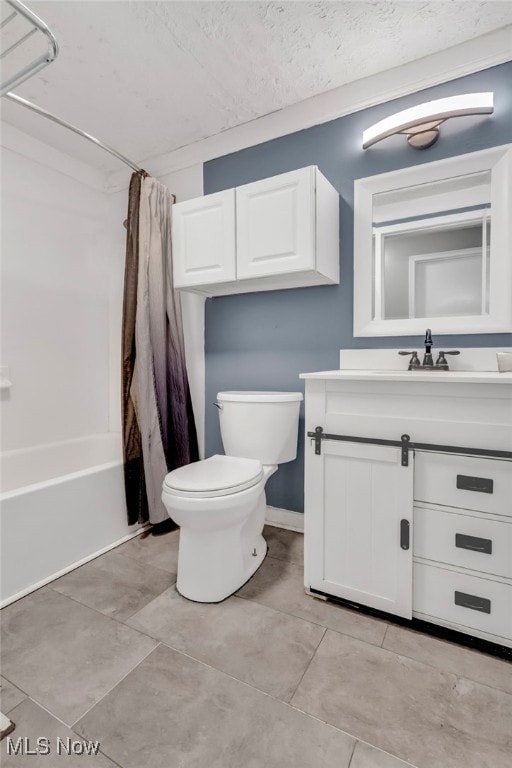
404, 533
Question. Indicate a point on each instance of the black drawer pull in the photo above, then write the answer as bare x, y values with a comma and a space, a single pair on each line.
476, 544
404, 534
481, 604
480, 484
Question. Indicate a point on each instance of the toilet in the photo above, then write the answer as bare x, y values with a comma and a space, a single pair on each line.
219, 503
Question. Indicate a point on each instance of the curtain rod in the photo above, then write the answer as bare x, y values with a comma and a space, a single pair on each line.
40, 111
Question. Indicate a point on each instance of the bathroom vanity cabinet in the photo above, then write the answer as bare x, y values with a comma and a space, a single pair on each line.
280, 232
419, 528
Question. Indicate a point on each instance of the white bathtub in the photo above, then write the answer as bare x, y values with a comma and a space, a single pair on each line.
62, 504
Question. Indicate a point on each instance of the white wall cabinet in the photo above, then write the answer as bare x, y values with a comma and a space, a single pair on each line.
454, 568
280, 232
203, 238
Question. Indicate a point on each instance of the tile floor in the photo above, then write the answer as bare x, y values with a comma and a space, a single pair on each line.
271, 678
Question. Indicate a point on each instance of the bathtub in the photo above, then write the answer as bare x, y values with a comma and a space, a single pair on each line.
62, 504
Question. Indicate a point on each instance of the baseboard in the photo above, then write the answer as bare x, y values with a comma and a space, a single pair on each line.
69, 568
285, 518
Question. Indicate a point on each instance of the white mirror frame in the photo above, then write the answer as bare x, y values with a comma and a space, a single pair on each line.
498, 160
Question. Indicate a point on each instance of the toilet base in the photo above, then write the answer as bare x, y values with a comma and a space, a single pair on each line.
225, 578
255, 565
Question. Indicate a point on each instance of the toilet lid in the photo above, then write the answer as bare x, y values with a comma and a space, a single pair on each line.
216, 476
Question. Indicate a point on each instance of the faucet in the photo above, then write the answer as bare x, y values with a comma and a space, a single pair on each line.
428, 361
441, 363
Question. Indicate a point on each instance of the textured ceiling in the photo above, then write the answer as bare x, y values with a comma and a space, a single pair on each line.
149, 77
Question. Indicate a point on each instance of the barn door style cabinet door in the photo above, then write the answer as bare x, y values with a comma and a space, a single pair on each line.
361, 541
280, 232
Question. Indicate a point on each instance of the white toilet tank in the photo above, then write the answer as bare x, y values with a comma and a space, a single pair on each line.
260, 425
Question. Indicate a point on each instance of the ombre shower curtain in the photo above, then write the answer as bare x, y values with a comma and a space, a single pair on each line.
158, 423
135, 487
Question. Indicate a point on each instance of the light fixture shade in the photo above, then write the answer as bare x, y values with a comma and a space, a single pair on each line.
425, 114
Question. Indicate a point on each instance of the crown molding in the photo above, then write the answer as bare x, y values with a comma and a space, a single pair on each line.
460, 60
22, 144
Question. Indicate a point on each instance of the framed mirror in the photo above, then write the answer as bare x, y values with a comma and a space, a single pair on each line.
433, 247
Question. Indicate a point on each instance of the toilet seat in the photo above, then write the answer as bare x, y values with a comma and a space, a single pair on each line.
213, 477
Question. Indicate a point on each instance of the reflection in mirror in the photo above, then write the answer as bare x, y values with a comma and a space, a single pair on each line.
431, 247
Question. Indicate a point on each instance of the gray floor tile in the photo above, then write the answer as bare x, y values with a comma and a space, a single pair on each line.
450, 657
114, 585
280, 585
65, 655
262, 647
10, 696
479, 711
33, 722
160, 551
368, 757
405, 707
284, 545
201, 718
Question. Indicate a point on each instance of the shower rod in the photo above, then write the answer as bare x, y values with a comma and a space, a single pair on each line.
44, 112
33, 25
38, 25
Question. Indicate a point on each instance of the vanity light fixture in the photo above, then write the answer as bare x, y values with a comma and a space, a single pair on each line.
421, 123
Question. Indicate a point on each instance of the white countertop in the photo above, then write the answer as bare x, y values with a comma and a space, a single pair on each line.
456, 377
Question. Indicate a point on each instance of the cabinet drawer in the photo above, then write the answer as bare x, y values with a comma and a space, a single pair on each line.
467, 482
463, 540
470, 601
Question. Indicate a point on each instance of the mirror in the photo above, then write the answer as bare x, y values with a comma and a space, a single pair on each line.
431, 247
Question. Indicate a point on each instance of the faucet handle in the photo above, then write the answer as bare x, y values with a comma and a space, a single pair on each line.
414, 361
441, 360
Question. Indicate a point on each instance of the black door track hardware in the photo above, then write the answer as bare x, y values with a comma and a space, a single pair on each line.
403, 443
406, 445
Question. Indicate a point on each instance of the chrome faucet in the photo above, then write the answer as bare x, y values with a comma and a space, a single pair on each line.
428, 361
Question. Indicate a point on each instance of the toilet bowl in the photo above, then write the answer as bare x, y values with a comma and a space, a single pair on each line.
219, 503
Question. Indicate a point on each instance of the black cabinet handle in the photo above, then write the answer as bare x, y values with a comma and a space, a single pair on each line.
404, 533
481, 604
474, 543
479, 484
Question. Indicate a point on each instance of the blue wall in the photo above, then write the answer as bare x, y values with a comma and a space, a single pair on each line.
264, 340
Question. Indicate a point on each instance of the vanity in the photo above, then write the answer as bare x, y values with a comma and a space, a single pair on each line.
408, 493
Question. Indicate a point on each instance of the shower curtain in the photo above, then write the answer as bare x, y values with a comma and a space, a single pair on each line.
134, 483
160, 392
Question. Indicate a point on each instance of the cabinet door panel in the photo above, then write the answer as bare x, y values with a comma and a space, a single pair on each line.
203, 238
275, 225
357, 497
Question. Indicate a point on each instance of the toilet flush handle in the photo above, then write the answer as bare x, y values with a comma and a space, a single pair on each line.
218, 405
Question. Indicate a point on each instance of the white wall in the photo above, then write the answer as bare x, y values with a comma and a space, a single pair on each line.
185, 184
63, 253
54, 301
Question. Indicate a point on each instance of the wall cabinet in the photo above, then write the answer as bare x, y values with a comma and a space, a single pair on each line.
430, 538
281, 232
203, 239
